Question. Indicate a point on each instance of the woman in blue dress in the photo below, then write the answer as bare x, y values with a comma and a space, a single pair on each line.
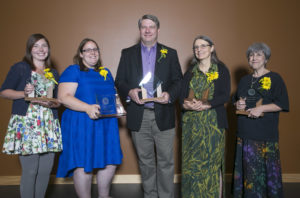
90, 143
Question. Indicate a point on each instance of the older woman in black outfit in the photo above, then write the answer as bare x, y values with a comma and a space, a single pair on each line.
257, 171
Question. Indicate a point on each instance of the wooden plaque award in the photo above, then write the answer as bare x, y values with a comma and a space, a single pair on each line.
204, 97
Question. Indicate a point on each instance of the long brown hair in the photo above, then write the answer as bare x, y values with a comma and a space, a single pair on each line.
29, 45
78, 60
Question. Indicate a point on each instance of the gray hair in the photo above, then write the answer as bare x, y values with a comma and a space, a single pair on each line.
214, 58
151, 17
256, 47
203, 37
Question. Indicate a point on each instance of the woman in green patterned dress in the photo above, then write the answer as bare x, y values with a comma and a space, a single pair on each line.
205, 90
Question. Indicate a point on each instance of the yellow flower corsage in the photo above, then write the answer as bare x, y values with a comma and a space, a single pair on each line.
49, 75
265, 83
212, 76
163, 54
103, 72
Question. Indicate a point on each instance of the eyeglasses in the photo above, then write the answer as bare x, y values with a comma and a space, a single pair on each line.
89, 50
202, 46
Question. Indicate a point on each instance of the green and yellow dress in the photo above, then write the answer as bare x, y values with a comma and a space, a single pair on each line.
203, 144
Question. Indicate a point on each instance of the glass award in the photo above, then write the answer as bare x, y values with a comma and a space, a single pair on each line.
151, 87
32, 94
110, 105
253, 99
43, 91
120, 108
107, 104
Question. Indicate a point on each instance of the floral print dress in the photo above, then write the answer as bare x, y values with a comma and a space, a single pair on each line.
257, 171
202, 144
37, 131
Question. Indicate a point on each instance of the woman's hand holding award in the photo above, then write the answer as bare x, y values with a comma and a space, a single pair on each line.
241, 106
110, 105
41, 94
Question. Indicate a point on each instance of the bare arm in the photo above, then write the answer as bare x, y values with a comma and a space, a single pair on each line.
257, 111
13, 94
66, 92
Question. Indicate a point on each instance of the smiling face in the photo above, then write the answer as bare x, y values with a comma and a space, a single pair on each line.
148, 32
257, 60
90, 54
40, 51
202, 49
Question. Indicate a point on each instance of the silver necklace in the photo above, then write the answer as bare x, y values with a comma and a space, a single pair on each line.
251, 91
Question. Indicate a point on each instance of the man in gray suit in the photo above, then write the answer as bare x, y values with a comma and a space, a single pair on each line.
152, 124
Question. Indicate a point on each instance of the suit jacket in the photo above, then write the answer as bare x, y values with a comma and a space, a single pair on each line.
129, 75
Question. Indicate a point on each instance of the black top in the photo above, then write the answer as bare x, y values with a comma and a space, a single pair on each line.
221, 93
16, 80
263, 128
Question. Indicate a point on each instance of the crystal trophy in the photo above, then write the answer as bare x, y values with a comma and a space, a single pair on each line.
28, 81
42, 92
110, 105
50, 91
253, 99
120, 108
244, 112
155, 93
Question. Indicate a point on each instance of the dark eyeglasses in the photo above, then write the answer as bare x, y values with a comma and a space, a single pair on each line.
202, 46
89, 50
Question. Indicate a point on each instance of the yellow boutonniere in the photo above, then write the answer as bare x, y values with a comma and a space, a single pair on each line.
49, 75
163, 53
103, 72
265, 83
212, 76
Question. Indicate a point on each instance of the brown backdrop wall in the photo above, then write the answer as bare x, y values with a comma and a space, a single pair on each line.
232, 24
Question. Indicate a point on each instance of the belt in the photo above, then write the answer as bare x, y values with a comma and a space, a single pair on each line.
149, 108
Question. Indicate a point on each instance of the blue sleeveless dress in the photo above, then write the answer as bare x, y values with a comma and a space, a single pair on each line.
88, 143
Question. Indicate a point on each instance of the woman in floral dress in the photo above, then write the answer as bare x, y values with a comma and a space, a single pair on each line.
205, 90
257, 171
33, 131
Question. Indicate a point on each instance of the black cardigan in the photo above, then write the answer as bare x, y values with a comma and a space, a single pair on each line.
221, 93
16, 80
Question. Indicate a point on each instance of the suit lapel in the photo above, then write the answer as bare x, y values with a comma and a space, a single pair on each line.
139, 64
158, 48
158, 65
